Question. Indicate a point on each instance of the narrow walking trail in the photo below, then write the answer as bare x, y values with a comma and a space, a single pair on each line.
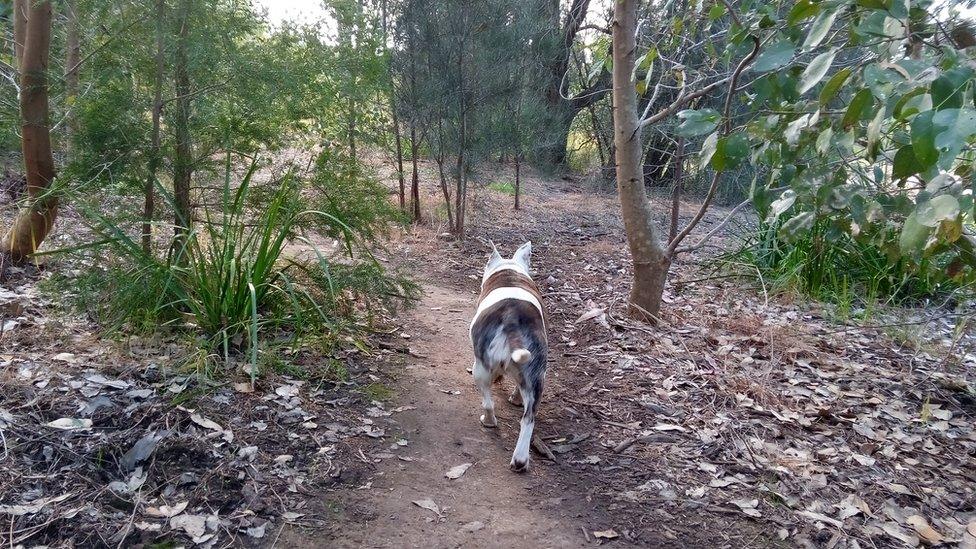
489, 506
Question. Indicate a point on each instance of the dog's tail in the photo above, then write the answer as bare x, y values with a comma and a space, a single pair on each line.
521, 356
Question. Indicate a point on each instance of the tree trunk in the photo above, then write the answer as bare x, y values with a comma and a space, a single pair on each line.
34, 223
446, 191
399, 152
676, 192
651, 262
352, 130
183, 160
155, 158
20, 14
518, 179
71, 59
415, 179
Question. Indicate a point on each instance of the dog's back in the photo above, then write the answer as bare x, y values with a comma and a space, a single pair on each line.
508, 334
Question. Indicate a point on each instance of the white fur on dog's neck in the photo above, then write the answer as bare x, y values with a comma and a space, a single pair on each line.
506, 266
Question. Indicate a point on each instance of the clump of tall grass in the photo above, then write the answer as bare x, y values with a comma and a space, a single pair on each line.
236, 278
831, 266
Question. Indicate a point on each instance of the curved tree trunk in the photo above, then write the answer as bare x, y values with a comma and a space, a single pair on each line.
34, 223
651, 262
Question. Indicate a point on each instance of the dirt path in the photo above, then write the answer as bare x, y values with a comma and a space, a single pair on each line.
488, 506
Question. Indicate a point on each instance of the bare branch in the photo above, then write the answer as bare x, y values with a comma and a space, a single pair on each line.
726, 129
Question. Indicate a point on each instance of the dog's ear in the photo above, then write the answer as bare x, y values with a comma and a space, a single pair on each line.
495, 258
523, 255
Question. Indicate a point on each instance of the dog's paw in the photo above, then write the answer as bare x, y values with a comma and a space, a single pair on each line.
519, 466
489, 422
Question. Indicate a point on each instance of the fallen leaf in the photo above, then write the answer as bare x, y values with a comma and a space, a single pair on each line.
256, 532
900, 534
456, 472
429, 505
472, 526
70, 424
32, 507
606, 534
287, 391
165, 511
747, 506
922, 527
194, 525
205, 423
244, 387
140, 451
668, 427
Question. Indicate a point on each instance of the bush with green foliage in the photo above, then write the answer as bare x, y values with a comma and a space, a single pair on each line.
862, 131
240, 276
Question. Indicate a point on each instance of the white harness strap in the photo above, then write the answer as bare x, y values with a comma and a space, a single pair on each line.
507, 292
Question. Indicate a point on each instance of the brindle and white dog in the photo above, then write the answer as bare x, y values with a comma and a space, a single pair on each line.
508, 334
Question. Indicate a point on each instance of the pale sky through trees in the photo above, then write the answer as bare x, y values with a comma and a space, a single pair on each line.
291, 10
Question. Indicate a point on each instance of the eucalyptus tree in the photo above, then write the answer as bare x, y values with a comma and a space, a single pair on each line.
862, 110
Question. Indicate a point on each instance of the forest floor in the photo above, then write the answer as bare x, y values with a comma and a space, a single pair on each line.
742, 420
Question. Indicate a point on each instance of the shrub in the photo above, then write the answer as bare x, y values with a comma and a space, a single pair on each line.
236, 280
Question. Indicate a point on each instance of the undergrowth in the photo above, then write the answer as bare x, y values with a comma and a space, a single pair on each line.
833, 267
247, 279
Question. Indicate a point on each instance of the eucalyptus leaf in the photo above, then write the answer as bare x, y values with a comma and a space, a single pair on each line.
913, 236
775, 56
944, 207
819, 29
833, 85
697, 122
815, 71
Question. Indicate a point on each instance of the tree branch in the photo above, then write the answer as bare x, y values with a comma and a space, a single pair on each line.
726, 129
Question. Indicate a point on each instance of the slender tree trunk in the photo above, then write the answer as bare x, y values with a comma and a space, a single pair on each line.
518, 179
651, 262
446, 191
385, 14
352, 130
183, 160
440, 171
399, 152
34, 223
155, 157
71, 59
415, 178
598, 133
676, 192
20, 15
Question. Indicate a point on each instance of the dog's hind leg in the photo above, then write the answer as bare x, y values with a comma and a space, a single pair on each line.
482, 378
516, 397
531, 390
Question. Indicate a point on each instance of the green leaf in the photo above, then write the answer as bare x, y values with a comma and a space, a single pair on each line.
913, 236
953, 128
796, 225
823, 141
815, 71
872, 4
774, 57
923, 133
948, 90
819, 29
944, 207
905, 163
716, 11
729, 152
802, 9
911, 103
781, 205
697, 122
709, 146
833, 85
855, 110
